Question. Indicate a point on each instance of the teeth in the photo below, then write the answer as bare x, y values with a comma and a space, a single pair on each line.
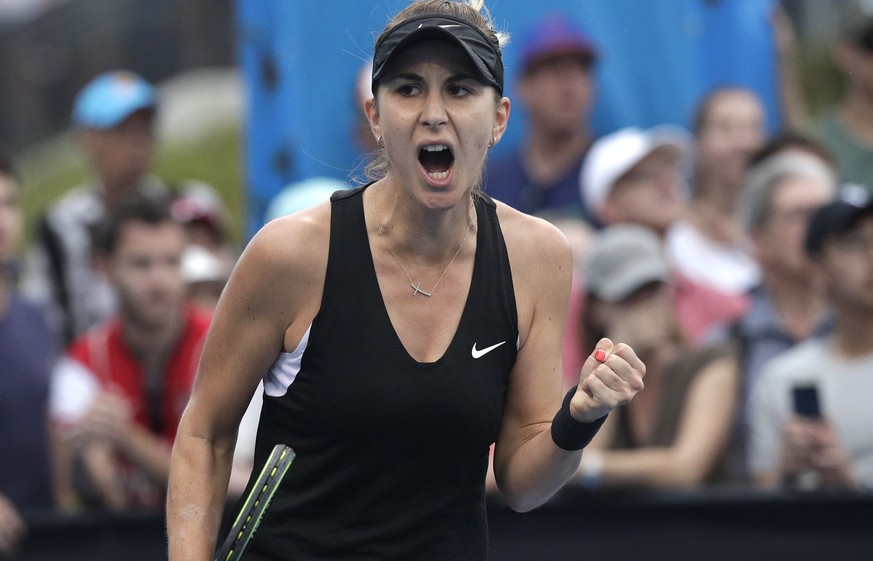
435, 148
438, 174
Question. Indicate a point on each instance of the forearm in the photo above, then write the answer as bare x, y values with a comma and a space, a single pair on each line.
199, 474
535, 470
651, 467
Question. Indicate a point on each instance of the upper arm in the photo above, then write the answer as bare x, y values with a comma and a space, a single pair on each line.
707, 415
274, 289
542, 268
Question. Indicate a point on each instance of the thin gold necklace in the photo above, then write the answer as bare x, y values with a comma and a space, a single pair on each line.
416, 287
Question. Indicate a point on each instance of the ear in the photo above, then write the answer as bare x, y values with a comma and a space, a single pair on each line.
371, 110
501, 119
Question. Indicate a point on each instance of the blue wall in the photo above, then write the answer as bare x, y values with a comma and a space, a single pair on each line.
300, 59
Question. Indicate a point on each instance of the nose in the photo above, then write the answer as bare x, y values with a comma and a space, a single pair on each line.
433, 114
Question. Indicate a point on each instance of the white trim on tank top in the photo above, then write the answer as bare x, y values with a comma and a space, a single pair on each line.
284, 370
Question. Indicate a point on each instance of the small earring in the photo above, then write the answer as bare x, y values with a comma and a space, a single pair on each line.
493, 142
380, 142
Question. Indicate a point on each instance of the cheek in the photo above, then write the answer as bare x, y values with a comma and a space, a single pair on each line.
129, 281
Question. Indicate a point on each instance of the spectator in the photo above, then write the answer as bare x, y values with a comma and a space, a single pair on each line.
793, 141
209, 257
25, 363
709, 245
833, 448
788, 306
114, 118
119, 392
556, 89
205, 275
677, 435
847, 128
634, 176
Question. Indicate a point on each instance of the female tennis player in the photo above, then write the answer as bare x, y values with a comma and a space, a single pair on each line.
400, 330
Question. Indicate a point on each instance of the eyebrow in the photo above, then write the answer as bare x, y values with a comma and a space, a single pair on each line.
457, 77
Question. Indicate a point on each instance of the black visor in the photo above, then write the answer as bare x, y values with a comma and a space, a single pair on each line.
485, 56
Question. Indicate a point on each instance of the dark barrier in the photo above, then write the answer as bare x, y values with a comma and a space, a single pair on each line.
705, 526
710, 526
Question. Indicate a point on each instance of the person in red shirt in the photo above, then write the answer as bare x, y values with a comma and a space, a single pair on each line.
118, 394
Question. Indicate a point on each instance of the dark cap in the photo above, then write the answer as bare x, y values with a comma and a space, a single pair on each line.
485, 56
837, 217
555, 35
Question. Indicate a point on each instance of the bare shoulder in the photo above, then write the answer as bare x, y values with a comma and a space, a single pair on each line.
295, 241
285, 262
541, 264
531, 240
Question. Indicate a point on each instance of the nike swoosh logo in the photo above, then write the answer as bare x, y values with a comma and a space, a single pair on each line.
480, 353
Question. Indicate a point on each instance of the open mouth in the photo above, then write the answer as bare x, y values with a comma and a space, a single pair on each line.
436, 159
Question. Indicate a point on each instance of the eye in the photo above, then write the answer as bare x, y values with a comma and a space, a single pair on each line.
408, 90
459, 90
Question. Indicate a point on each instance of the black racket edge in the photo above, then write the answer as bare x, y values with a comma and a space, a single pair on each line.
256, 503
260, 507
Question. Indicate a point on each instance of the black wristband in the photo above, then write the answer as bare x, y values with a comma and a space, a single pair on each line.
570, 434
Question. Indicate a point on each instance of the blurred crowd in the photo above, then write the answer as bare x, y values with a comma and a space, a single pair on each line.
738, 264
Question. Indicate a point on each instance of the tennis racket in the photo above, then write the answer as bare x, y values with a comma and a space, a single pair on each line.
256, 504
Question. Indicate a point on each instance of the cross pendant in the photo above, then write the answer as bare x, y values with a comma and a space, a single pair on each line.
416, 289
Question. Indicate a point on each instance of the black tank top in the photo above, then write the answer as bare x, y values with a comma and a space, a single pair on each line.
391, 453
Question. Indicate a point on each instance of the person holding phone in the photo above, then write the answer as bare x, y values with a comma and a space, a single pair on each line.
400, 329
810, 422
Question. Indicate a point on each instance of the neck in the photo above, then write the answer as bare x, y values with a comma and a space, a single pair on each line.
421, 236
799, 303
853, 337
152, 345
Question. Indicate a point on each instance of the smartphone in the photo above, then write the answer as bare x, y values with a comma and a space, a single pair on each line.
805, 401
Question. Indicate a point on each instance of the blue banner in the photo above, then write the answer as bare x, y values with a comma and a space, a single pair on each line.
300, 60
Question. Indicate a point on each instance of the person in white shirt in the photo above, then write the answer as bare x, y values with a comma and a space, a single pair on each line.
823, 437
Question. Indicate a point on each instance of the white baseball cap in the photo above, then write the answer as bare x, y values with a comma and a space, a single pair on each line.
615, 154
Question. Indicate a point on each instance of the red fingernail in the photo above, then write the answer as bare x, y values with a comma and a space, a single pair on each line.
600, 355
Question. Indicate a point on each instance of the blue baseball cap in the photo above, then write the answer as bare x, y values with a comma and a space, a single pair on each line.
555, 35
110, 98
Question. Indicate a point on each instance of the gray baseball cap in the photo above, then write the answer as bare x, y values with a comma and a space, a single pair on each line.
622, 259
